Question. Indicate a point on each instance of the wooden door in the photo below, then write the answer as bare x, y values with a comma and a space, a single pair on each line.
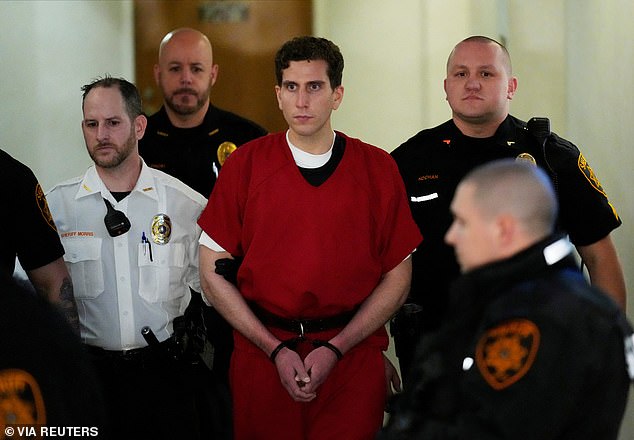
245, 36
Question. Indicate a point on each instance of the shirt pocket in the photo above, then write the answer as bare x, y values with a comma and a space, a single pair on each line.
158, 264
83, 258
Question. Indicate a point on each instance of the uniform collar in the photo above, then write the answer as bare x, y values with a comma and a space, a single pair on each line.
505, 134
167, 128
505, 131
550, 254
92, 184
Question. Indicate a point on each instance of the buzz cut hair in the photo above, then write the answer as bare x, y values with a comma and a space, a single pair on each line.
486, 40
518, 188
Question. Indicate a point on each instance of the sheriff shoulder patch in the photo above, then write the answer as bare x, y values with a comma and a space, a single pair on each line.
41, 203
21, 400
584, 167
505, 353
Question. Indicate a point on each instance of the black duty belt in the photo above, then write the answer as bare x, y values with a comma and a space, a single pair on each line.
135, 354
302, 326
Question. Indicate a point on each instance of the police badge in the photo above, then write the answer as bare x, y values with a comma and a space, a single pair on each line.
44, 210
161, 229
224, 150
525, 157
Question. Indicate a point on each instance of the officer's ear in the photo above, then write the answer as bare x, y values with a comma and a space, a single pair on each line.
506, 231
140, 124
511, 88
213, 74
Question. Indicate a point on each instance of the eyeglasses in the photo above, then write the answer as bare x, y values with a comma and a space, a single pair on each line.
116, 221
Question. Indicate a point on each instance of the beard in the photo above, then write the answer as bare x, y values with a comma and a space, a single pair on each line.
188, 106
120, 154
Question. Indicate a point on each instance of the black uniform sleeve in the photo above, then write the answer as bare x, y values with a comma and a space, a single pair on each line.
27, 221
586, 214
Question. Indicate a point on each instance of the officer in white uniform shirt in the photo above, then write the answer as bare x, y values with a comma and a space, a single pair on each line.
131, 242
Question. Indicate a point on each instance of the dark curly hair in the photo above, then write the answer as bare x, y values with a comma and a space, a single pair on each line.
309, 48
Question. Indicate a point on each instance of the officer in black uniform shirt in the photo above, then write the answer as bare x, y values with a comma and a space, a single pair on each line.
195, 155
30, 234
190, 139
479, 87
528, 349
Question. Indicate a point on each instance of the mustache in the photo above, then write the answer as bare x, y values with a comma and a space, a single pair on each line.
185, 90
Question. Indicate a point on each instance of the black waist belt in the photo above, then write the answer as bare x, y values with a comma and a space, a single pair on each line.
302, 326
135, 354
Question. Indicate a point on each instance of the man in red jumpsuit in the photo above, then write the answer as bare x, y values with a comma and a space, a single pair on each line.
323, 228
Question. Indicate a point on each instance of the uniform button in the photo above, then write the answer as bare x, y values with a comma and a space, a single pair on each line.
125, 313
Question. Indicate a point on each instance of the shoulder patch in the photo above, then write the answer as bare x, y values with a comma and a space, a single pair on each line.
40, 199
505, 353
21, 401
584, 167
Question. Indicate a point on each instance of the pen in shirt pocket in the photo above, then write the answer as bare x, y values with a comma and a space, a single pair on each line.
147, 246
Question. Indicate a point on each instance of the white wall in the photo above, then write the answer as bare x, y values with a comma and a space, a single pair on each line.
48, 50
382, 84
